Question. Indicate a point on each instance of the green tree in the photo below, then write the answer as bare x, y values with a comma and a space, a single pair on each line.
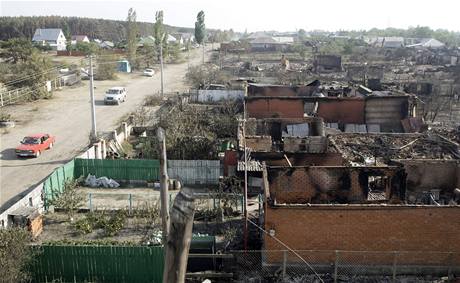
302, 34
159, 34
106, 67
132, 30
70, 199
15, 255
200, 28
16, 50
86, 47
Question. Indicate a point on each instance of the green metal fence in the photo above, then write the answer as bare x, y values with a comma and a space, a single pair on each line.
99, 264
54, 184
118, 169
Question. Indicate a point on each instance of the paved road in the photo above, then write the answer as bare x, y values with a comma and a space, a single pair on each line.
67, 116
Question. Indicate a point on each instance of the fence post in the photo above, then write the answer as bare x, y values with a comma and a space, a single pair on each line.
336, 265
451, 264
1, 97
284, 263
130, 203
260, 203
90, 202
395, 263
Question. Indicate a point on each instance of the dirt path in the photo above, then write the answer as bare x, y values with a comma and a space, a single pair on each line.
67, 116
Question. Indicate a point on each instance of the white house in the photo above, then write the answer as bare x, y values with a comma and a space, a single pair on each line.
53, 37
79, 38
171, 39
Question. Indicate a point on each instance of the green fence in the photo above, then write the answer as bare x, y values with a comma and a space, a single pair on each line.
54, 184
99, 264
118, 169
122, 169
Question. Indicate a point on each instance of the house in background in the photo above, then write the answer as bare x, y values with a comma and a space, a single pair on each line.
424, 43
53, 37
171, 39
79, 38
179, 38
106, 45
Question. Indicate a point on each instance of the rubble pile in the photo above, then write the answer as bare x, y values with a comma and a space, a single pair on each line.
374, 149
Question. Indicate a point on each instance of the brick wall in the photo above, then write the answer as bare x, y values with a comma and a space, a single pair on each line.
275, 108
326, 184
367, 228
342, 110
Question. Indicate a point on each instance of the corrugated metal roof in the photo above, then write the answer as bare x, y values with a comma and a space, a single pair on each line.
253, 166
47, 34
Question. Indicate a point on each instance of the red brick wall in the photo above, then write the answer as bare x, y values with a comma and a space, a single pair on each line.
271, 107
367, 228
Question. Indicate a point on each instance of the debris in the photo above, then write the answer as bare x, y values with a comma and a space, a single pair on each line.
93, 182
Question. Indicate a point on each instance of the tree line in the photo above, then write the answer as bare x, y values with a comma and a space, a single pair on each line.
450, 38
112, 30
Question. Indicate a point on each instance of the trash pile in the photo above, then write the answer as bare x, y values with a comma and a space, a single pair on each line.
93, 182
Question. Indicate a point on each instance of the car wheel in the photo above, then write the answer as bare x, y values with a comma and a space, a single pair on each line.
37, 154
50, 146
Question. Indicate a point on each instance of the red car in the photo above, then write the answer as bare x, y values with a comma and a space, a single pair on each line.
34, 145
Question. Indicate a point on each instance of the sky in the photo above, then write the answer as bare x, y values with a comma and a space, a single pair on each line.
258, 15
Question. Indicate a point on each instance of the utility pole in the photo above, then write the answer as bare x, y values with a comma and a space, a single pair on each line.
161, 67
245, 208
164, 181
203, 51
93, 107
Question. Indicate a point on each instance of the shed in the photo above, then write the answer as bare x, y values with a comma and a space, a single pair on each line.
124, 66
27, 217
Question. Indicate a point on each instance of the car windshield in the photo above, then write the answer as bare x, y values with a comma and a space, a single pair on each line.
30, 140
148, 70
113, 91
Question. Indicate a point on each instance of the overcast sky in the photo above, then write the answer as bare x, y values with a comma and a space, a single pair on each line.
255, 15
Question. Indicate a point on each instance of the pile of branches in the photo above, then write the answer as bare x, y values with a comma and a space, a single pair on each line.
194, 132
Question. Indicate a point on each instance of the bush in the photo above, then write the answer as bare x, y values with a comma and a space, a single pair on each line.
202, 75
106, 67
15, 255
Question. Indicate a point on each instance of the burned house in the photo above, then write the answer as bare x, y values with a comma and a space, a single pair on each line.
375, 112
387, 193
382, 189
327, 63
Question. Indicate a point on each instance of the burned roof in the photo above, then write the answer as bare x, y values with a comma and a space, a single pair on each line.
379, 149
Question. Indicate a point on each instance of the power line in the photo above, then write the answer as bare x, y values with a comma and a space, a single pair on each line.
23, 78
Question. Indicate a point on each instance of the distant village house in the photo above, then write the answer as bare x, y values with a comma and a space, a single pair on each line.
79, 38
50, 36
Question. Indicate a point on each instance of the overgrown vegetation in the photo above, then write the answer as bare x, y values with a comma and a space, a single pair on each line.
86, 47
70, 200
25, 66
202, 75
110, 222
15, 255
106, 67
194, 132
